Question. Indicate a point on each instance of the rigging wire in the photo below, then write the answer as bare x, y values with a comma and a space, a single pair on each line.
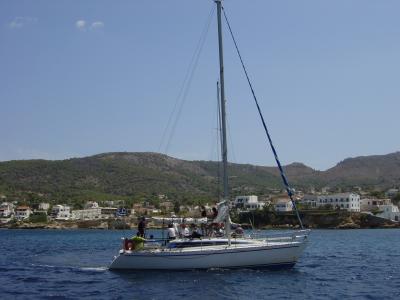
230, 139
282, 173
215, 152
183, 92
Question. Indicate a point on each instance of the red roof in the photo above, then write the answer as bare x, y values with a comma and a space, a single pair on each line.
23, 207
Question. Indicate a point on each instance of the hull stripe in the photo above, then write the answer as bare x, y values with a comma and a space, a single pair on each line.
265, 266
168, 254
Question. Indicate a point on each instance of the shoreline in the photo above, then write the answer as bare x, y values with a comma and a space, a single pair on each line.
107, 225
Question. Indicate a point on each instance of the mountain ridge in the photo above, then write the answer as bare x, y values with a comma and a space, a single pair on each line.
139, 174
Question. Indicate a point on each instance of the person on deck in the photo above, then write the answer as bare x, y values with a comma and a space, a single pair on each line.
214, 212
203, 212
195, 233
185, 231
171, 232
239, 232
142, 227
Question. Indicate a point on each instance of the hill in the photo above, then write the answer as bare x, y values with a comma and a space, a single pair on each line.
143, 175
382, 171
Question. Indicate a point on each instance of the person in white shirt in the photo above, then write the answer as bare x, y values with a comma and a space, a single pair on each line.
171, 232
184, 231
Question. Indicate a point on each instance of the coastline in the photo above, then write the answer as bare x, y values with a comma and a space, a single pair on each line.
284, 222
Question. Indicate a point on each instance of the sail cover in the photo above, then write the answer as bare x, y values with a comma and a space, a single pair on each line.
223, 212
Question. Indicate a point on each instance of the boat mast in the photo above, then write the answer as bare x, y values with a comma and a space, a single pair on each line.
222, 99
223, 122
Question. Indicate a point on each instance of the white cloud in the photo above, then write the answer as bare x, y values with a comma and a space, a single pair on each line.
84, 25
19, 22
97, 25
80, 24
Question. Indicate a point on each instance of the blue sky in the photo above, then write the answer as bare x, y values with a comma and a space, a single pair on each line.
85, 77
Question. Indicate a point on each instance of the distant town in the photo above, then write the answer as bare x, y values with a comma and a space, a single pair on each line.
383, 205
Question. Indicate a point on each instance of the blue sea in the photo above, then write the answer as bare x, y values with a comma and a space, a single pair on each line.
338, 264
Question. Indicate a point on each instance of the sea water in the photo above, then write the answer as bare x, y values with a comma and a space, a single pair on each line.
72, 264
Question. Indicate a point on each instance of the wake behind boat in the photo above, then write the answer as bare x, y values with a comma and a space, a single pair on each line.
209, 250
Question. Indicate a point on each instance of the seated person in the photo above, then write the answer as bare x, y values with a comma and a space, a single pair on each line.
129, 245
195, 233
214, 213
185, 231
239, 232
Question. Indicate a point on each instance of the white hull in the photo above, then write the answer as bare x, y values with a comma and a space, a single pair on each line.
257, 254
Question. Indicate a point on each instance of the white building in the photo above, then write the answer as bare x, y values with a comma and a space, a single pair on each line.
86, 214
241, 201
371, 204
283, 205
44, 206
254, 206
22, 212
390, 212
91, 204
310, 200
6, 209
108, 212
346, 201
61, 212
248, 203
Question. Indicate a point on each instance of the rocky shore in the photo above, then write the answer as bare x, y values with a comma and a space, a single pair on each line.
89, 224
266, 220
317, 220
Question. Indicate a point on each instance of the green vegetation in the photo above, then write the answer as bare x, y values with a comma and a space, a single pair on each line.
139, 177
378, 194
38, 218
396, 199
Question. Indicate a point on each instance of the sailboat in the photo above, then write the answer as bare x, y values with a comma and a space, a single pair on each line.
228, 251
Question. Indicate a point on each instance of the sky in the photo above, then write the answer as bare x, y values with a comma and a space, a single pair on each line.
79, 78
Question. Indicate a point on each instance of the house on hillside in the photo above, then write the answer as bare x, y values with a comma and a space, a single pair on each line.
108, 212
167, 206
283, 205
6, 209
113, 203
254, 206
241, 201
22, 212
371, 204
345, 201
44, 206
248, 203
86, 214
61, 212
389, 211
143, 209
310, 201
91, 204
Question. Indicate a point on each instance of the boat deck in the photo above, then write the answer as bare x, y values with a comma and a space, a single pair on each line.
187, 246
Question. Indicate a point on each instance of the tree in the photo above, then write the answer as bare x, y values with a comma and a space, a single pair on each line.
396, 199
377, 194
38, 218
